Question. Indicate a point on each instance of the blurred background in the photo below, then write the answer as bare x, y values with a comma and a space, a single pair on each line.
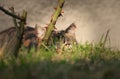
92, 17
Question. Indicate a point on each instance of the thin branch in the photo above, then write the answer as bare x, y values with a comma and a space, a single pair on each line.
10, 14
15, 22
21, 31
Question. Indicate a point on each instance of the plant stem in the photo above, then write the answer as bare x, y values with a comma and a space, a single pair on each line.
52, 23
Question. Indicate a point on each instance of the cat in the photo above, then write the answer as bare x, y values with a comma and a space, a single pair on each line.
32, 37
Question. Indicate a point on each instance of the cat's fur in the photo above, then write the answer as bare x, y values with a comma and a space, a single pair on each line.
8, 39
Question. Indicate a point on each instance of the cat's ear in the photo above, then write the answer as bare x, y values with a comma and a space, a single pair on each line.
40, 31
71, 28
36, 28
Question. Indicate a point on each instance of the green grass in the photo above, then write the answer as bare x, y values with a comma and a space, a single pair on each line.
85, 61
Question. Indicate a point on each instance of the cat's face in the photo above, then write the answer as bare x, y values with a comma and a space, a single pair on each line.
65, 38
